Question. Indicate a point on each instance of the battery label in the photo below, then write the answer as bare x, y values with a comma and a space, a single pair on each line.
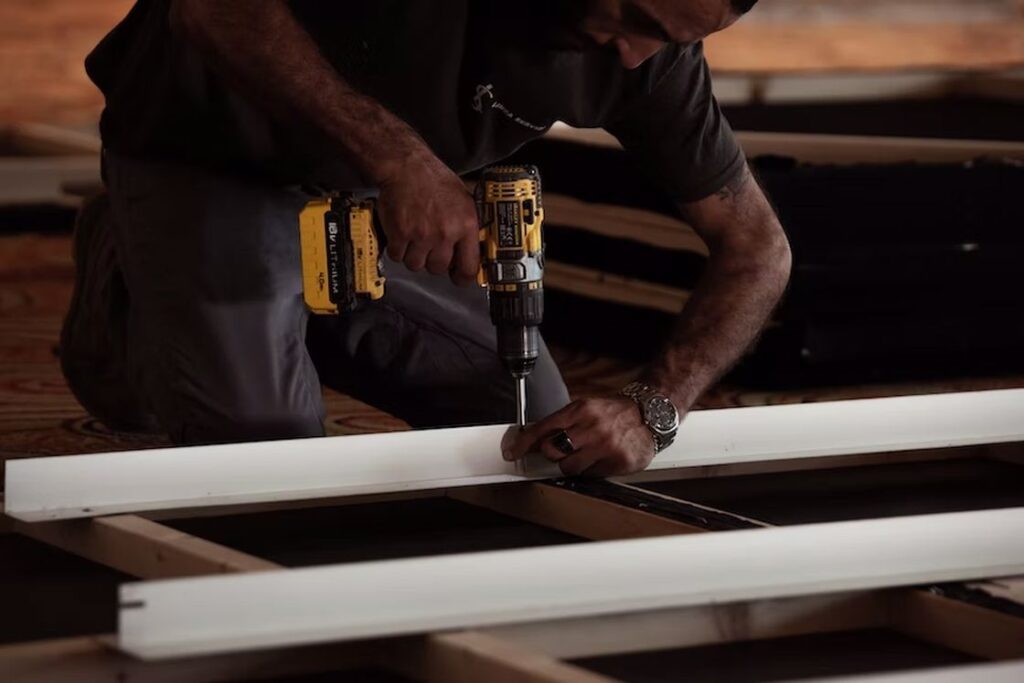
332, 252
509, 225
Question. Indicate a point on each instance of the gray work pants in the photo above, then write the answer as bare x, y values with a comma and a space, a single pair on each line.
219, 344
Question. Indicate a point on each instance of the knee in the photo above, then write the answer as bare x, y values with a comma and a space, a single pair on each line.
247, 425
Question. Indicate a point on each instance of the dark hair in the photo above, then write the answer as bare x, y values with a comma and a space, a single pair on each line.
742, 6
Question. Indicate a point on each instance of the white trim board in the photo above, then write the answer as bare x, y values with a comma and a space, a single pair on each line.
340, 602
61, 487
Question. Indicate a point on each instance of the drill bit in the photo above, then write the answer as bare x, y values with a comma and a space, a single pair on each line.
521, 417
520, 402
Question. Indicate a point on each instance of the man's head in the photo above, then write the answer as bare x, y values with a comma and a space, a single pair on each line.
637, 29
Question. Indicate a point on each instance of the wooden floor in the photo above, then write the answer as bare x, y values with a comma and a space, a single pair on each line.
40, 416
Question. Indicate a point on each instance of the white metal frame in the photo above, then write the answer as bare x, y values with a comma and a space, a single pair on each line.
159, 479
302, 606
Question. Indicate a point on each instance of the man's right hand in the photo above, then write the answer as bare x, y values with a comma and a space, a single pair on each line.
430, 219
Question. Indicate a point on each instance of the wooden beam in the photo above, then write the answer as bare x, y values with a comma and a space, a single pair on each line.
142, 547
831, 149
94, 659
698, 626
145, 548
370, 599
558, 507
596, 284
814, 47
471, 657
976, 630
601, 510
39, 489
48, 140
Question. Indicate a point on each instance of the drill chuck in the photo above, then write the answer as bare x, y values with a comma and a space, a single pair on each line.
517, 316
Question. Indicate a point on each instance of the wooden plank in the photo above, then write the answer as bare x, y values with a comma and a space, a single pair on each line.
832, 149
600, 510
595, 284
94, 659
48, 140
701, 625
811, 47
976, 630
621, 222
371, 599
39, 489
145, 548
471, 657
142, 547
565, 510
41, 179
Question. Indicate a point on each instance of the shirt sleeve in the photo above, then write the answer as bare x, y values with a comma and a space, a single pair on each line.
678, 133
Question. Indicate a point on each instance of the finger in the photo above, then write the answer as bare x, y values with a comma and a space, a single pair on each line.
440, 258
577, 436
507, 439
526, 440
466, 262
396, 250
415, 258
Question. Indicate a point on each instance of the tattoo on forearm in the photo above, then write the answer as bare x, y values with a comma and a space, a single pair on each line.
736, 185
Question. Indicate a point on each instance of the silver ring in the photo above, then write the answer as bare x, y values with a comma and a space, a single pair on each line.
563, 442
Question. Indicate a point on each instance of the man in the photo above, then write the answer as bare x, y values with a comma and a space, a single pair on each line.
188, 314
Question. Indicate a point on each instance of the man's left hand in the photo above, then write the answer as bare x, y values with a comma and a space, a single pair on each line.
608, 436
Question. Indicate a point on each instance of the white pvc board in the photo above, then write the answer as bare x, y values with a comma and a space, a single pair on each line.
159, 479
299, 606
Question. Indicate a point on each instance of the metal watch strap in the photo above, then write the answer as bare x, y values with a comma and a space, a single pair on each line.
640, 393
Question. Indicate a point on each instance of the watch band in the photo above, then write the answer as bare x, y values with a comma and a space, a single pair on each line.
641, 394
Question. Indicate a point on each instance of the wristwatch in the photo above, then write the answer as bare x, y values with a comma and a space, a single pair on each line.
658, 413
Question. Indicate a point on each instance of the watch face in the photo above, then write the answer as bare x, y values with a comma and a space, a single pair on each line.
662, 415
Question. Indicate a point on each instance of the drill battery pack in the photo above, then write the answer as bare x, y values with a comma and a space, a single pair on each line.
341, 263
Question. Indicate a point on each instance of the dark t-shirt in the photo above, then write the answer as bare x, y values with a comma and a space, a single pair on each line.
458, 71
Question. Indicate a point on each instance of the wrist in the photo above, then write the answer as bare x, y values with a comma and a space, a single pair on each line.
657, 412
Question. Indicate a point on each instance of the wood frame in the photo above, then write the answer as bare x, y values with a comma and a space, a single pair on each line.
216, 614
930, 617
65, 487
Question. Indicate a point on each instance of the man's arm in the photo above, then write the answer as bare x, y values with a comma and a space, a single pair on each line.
429, 217
745, 276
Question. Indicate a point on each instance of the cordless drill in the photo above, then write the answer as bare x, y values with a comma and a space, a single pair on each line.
341, 261
340, 254
512, 266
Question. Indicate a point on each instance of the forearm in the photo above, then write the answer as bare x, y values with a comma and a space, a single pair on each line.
270, 57
745, 276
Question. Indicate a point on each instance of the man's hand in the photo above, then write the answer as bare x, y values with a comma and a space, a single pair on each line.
430, 220
609, 435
